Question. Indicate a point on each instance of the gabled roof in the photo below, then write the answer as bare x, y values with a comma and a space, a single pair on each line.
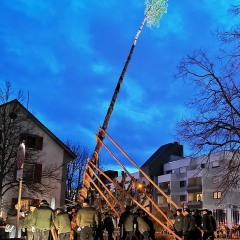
169, 149
43, 127
155, 155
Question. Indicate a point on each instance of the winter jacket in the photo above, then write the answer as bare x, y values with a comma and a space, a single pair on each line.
126, 221
87, 216
213, 222
188, 223
43, 217
28, 221
198, 220
207, 226
178, 224
108, 224
142, 225
62, 223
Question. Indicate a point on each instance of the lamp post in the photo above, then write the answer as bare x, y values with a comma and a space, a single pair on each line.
20, 161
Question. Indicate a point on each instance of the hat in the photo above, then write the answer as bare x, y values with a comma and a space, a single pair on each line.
179, 210
86, 200
186, 210
44, 202
69, 209
205, 210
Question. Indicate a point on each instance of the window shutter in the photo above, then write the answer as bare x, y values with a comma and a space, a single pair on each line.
39, 143
38, 173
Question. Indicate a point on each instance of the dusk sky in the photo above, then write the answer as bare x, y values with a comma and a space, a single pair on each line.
69, 54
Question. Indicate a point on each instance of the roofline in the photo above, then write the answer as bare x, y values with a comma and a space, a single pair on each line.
63, 145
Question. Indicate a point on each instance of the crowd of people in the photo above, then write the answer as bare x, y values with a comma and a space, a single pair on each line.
194, 226
83, 222
77, 222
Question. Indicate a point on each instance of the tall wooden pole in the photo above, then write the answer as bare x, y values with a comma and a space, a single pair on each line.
19, 161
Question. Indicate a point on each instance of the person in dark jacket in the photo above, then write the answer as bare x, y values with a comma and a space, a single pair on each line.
62, 224
188, 225
213, 222
147, 219
43, 217
108, 225
198, 220
126, 223
207, 226
178, 224
87, 220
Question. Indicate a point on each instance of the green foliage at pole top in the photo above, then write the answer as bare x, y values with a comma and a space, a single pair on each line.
154, 11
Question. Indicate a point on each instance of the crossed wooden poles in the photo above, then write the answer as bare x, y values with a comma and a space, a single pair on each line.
90, 172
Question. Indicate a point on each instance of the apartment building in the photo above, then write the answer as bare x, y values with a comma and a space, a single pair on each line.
192, 182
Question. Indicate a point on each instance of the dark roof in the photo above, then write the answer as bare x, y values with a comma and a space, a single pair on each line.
155, 155
39, 124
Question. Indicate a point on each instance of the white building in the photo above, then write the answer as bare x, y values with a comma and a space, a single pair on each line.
192, 182
52, 153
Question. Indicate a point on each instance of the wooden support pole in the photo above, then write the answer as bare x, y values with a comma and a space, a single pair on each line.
144, 174
134, 180
136, 202
100, 192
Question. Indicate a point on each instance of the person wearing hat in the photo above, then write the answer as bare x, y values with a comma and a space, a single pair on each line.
207, 226
28, 222
87, 220
43, 217
126, 224
62, 224
178, 224
198, 220
188, 225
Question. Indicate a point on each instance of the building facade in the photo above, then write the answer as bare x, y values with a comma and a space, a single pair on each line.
44, 153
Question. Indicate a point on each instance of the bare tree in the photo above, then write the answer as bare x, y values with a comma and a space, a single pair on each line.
75, 169
15, 125
214, 124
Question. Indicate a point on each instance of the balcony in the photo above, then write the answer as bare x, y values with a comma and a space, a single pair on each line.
165, 190
195, 204
193, 189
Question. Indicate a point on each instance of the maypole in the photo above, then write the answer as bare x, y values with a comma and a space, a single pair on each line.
153, 13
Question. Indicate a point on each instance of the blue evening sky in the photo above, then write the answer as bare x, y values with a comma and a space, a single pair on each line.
69, 54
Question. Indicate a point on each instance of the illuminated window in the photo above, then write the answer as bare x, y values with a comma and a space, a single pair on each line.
217, 195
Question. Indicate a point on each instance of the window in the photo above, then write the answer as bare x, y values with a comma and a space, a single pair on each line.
182, 169
32, 172
183, 198
169, 171
32, 141
215, 164
182, 184
217, 195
